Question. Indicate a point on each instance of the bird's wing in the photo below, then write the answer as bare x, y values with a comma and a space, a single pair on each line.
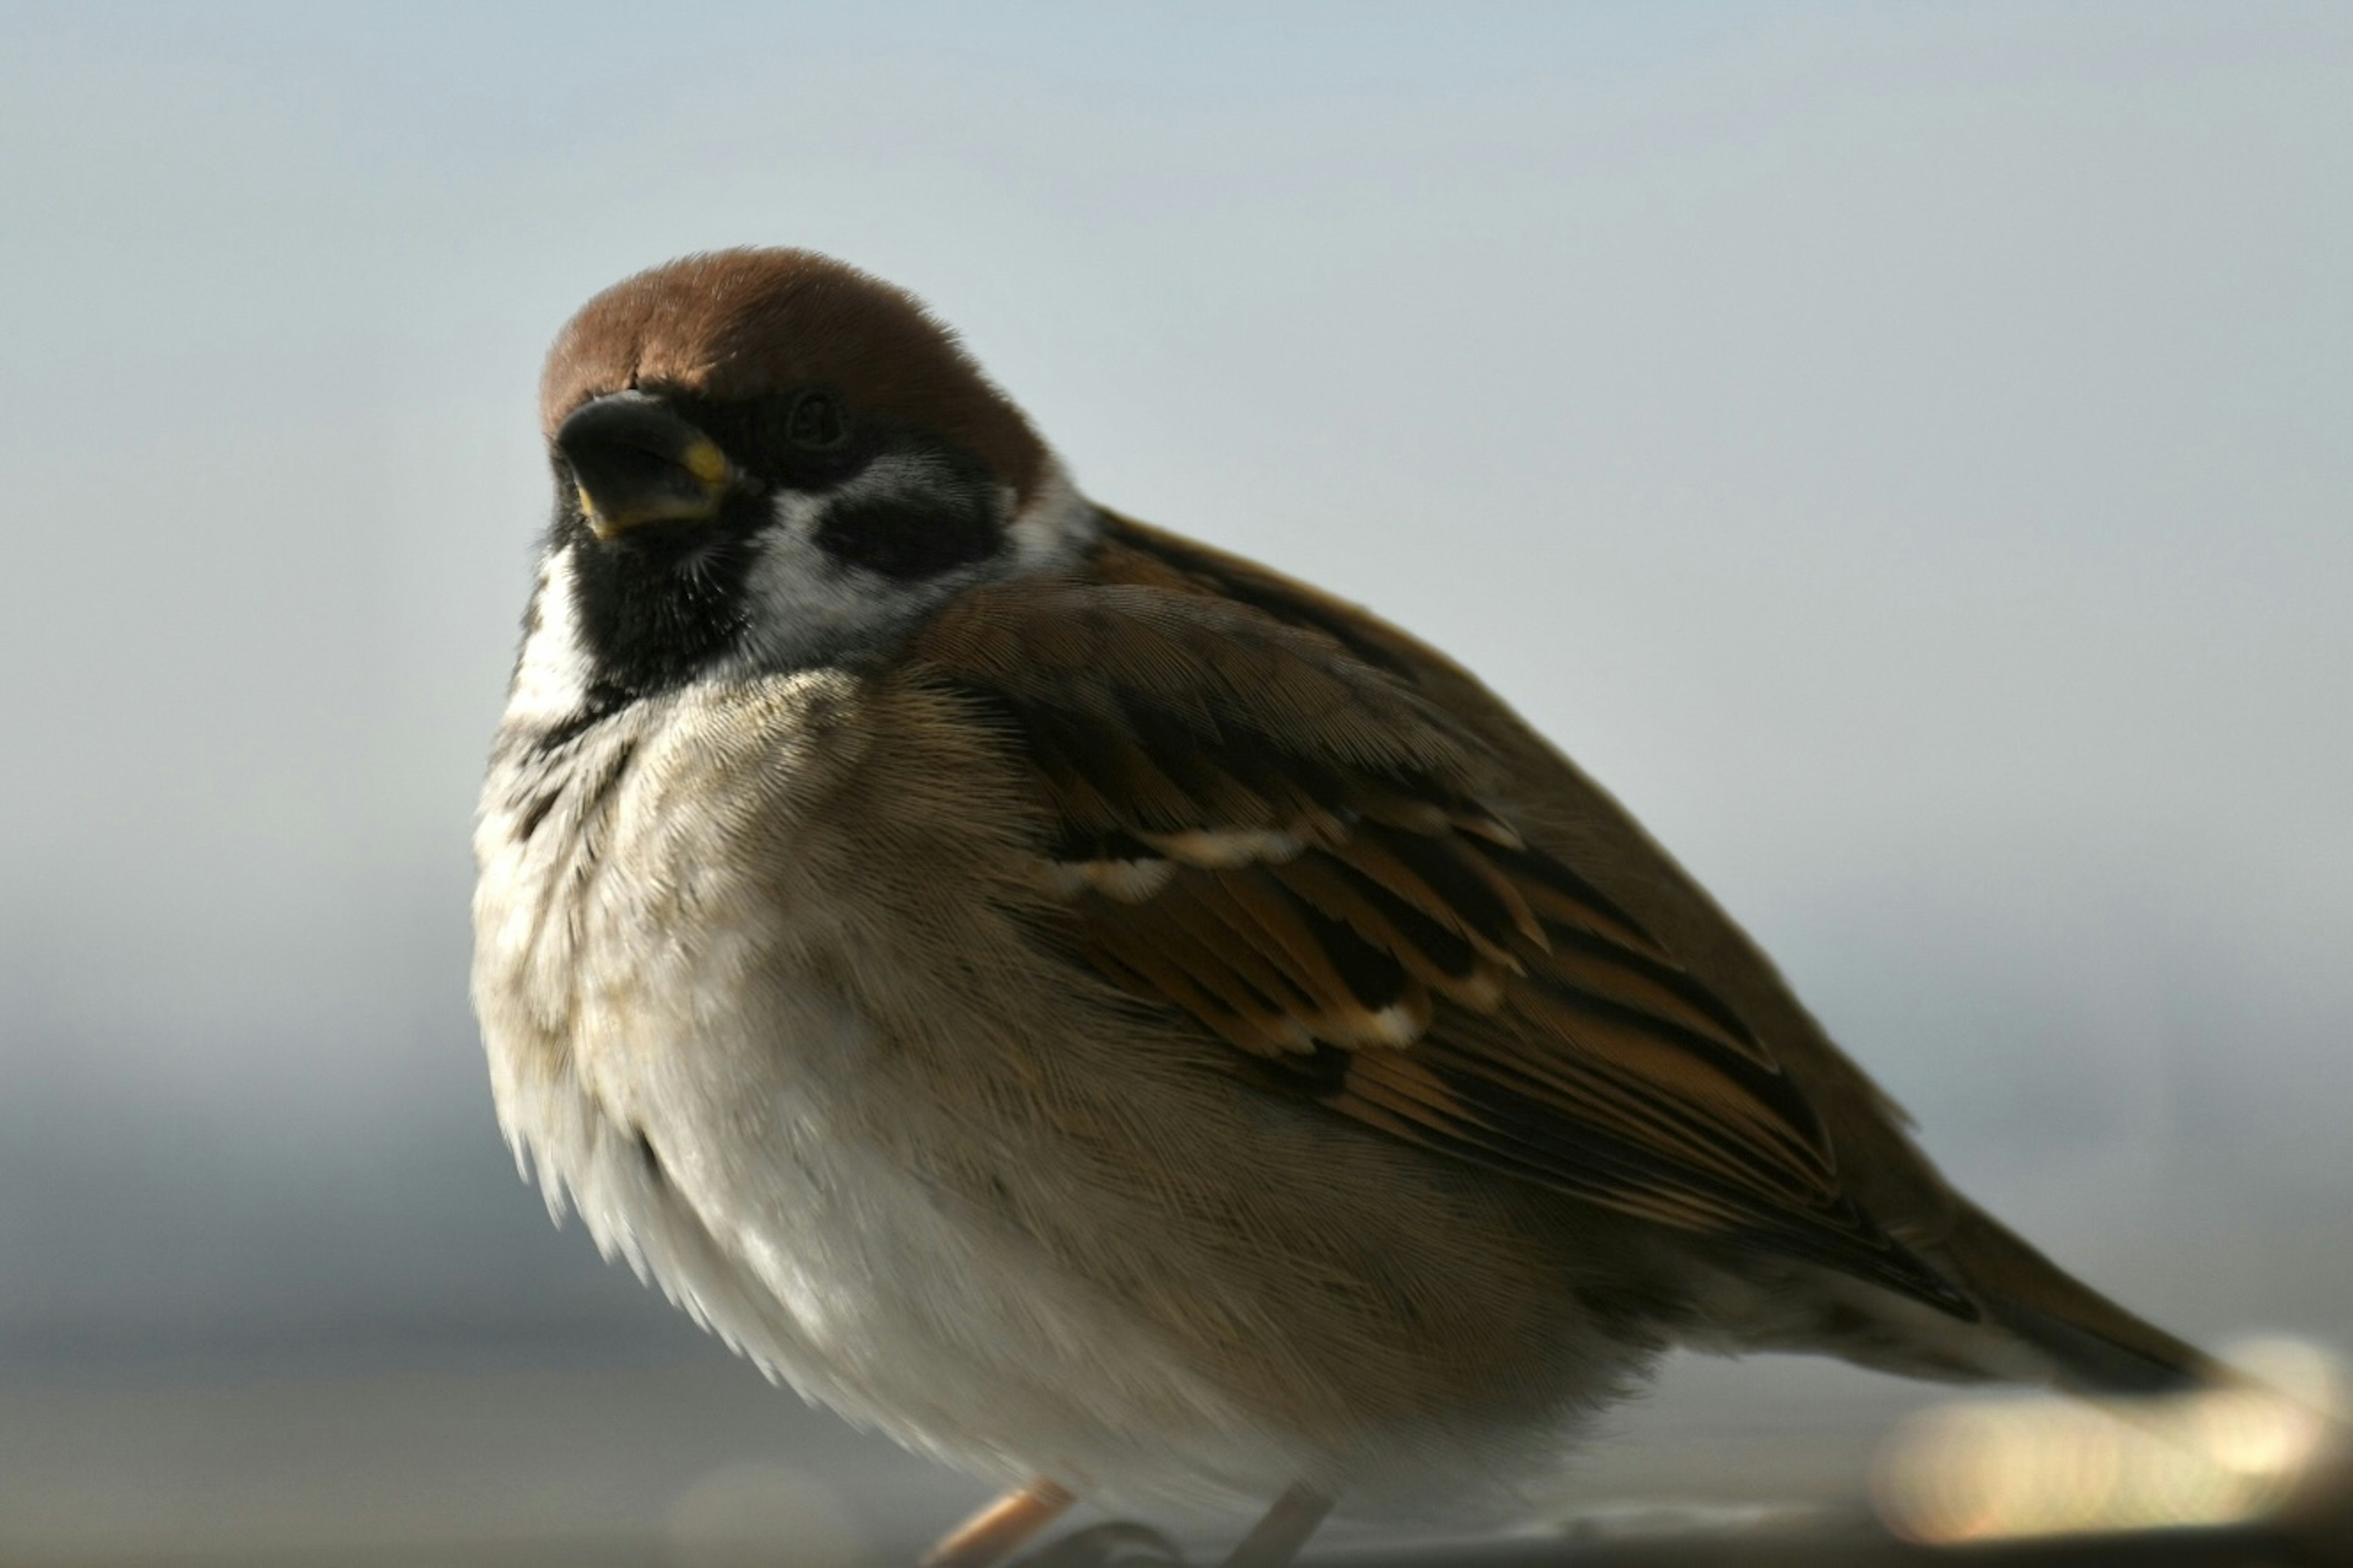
1253, 824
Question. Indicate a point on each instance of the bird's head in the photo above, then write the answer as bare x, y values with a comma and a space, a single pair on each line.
765, 459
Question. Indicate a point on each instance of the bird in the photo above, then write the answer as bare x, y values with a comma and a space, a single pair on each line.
1116, 1019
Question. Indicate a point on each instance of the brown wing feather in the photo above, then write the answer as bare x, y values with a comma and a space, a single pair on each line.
1267, 830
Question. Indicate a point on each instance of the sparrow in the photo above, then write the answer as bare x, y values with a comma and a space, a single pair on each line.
1115, 1018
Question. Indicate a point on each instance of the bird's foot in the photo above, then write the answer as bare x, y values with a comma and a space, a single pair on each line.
1114, 1545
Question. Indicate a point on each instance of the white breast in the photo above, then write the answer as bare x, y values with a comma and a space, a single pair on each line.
666, 1049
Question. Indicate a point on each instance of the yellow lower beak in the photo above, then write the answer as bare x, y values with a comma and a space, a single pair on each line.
636, 461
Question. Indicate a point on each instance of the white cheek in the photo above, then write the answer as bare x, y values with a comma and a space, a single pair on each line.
804, 606
553, 674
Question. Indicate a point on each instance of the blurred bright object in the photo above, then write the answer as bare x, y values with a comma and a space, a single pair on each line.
2000, 1470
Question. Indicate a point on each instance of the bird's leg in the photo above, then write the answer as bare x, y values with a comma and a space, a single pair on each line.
1117, 1544
1272, 1542
1276, 1539
997, 1531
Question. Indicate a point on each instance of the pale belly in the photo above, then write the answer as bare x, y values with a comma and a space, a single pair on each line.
670, 1049
716, 1122
848, 1275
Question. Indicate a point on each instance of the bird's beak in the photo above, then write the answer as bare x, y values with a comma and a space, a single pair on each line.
635, 461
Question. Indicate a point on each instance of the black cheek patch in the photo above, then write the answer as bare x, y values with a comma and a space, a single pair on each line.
912, 538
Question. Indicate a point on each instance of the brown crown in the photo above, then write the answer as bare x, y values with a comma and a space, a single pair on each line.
733, 324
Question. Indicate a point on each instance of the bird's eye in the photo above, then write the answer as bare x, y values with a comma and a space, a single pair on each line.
817, 422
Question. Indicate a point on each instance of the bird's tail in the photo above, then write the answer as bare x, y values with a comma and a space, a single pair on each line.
2094, 1345
2031, 1322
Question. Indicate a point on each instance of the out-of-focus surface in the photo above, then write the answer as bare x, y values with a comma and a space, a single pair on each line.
2040, 1467
1900, 450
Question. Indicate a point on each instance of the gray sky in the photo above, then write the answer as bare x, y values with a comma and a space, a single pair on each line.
1901, 449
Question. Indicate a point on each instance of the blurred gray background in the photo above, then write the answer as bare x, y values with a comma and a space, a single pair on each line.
1901, 449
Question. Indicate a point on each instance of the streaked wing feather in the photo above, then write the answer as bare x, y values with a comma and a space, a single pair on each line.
1258, 829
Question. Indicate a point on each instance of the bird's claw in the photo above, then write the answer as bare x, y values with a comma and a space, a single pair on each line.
1113, 1545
